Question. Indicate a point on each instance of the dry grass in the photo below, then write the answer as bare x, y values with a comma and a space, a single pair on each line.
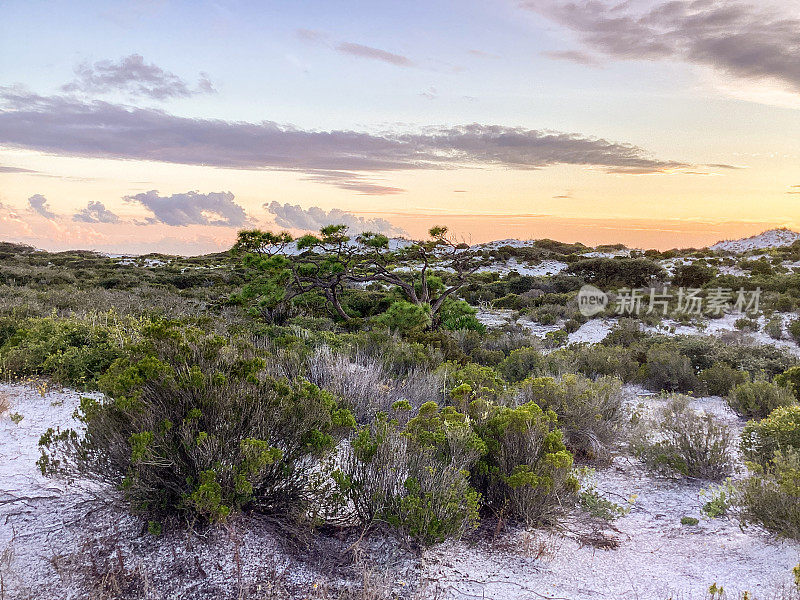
5, 403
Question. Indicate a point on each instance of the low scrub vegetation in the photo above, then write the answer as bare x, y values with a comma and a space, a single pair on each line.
758, 399
197, 429
680, 440
341, 384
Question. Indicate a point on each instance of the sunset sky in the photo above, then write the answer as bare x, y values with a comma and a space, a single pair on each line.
167, 126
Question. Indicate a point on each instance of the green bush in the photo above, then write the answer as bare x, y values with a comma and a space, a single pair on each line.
405, 317
774, 327
746, 324
521, 363
757, 399
526, 471
483, 381
70, 351
771, 497
790, 379
625, 332
198, 429
458, 315
589, 412
667, 369
794, 330
414, 477
680, 440
593, 360
694, 275
777, 432
720, 378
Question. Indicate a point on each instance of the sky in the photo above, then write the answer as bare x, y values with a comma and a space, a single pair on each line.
165, 126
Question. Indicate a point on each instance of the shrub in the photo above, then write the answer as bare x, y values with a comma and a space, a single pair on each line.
774, 327
554, 339
771, 497
71, 351
694, 275
683, 441
416, 477
746, 324
589, 412
626, 332
790, 379
197, 429
720, 378
459, 315
794, 330
667, 369
483, 381
521, 363
405, 316
526, 471
757, 399
617, 272
777, 432
593, 360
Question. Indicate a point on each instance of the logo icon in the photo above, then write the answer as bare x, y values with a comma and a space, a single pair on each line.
591, 300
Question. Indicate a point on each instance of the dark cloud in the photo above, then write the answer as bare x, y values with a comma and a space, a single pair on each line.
576, 56
192, 208
744, 40
95, 212
135, 77
311, 35
38, 204
66, 126
483, 54
375, 54
353, 182
5, 169
313, 219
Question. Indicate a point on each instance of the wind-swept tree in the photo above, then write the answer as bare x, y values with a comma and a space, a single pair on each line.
269, 288
411, 267
327, 263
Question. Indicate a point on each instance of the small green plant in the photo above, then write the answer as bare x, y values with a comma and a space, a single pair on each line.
691, 521
720, 499
716, 592
591, 501
154, 528
526, 471
746, 324
16, 418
